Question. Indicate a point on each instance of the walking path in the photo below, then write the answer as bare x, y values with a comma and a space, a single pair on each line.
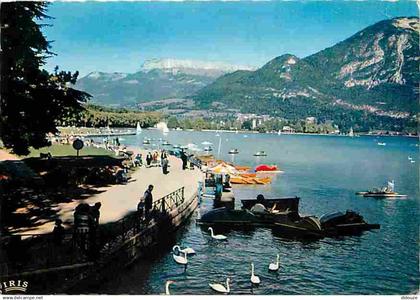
118, 200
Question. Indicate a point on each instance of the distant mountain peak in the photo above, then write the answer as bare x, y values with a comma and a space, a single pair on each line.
195, 67
106, 76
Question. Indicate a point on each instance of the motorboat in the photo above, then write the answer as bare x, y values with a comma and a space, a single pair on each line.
381, 194
381, 144
260, 153
146, 142
282, 215
166, 143
385, 192
208, 149
233, 151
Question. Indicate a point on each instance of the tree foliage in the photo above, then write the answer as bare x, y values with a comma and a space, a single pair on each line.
32, 99
98, 116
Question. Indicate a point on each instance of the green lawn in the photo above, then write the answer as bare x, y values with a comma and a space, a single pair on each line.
65, 150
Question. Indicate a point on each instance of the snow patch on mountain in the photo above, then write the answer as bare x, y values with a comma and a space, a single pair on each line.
193, 67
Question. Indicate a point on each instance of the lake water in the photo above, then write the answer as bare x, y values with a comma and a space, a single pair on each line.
325, 172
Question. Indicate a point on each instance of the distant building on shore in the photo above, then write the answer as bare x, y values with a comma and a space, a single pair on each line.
287, 129
310, 120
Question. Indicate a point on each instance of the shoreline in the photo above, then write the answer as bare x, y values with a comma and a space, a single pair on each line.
132, 131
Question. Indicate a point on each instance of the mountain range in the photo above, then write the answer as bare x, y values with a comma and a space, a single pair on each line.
157, 79
369, 80
370, 76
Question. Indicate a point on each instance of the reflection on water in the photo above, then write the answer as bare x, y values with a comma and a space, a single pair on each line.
325, 172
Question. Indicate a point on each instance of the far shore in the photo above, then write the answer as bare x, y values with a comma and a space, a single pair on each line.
117, 131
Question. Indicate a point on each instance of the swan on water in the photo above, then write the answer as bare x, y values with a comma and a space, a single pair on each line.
182, 260
187, 250
167, 287
275, 266
220, 287
254, 279
217, 236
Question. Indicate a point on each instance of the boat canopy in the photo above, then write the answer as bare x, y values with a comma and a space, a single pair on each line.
279, 204
330, 216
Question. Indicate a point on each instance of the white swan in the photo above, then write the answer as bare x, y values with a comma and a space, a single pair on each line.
182, 260
275, 266
217, 236
185, 250
220, 287
254, 279
167, 287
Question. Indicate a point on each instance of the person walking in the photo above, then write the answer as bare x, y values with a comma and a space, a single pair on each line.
165, 162
148, 201
184, 159
148, 159
155, 157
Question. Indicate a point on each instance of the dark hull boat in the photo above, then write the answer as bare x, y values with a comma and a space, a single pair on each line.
381, 194
283, 216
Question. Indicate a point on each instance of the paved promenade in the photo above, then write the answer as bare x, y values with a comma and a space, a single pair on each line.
118, 200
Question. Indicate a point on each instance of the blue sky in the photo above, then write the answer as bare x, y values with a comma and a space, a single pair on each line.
119, 36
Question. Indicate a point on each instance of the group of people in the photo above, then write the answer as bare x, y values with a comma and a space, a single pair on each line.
152, 159
137, 160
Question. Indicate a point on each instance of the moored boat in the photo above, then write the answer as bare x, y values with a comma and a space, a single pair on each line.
282, 215
260, 153
249, 179
233, 151
242, 168
267, 169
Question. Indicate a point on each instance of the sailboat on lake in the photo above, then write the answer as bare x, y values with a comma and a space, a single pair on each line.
351, 133
138, 129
